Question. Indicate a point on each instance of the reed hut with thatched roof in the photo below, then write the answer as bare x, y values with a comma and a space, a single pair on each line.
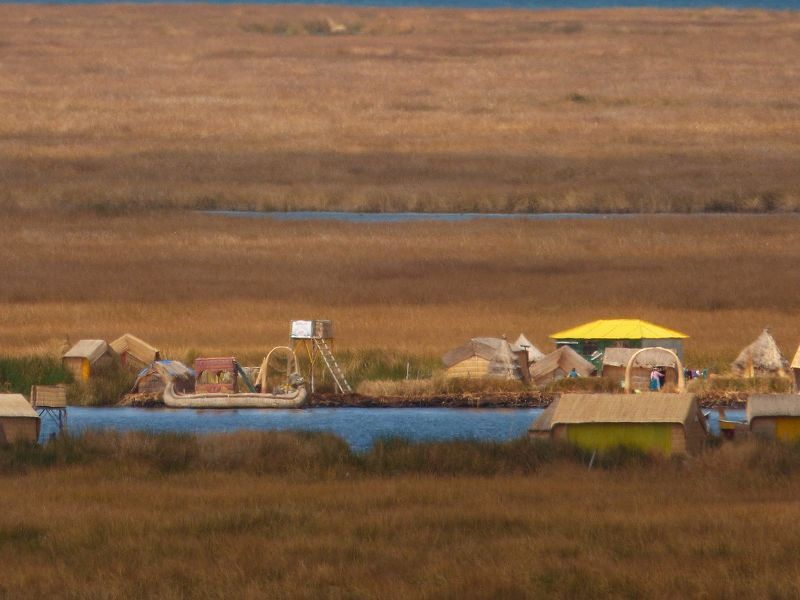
558, 365
795, 366
615, 361
153, 379
482, 357
658, 423
85, 355
774, 416
134, 351
18, 421
523, 344
762, 357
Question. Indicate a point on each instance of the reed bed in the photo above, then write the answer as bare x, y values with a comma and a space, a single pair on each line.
369, 109
299, 516
398, 294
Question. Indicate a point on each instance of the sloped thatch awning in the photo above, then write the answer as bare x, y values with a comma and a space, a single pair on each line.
564, 358
136, 348
796, 360
651, 357
773, 405
763, 356
618, 329
91, 350
495, 350
571, 409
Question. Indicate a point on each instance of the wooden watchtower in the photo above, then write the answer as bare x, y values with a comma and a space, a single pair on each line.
51, 401
315, 338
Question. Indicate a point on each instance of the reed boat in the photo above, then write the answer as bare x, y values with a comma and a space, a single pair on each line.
295, 398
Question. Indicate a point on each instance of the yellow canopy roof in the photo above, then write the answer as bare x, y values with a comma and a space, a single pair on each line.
617, 329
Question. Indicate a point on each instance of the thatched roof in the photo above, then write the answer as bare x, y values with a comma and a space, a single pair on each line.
796, 359
88, 349
15, 405
773, 405
651, 357
168, 370
564, 358
763, 355
496, 350
136, 348
523, 343
619, 408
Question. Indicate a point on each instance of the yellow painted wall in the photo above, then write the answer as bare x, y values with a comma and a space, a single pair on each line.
650, 437
787, 429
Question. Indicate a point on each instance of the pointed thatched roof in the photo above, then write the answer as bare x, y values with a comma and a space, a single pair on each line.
562, 359
523, 343
796, 360
761, 357
497, 351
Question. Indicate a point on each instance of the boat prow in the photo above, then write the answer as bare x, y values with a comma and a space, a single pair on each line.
295, 398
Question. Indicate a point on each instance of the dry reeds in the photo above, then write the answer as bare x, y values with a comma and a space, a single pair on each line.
382, 110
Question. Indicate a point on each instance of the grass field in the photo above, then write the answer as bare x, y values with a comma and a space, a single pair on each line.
192, 283
326, 107
283, 516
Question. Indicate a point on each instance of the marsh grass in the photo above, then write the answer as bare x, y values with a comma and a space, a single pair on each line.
442, 110
283, 515
18, 374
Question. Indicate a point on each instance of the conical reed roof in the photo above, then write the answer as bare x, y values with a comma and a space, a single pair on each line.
762, 356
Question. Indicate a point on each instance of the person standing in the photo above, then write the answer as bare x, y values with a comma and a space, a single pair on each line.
655, 380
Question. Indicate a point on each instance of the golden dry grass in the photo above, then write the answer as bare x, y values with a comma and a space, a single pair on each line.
258, 106
720, 526
227, 285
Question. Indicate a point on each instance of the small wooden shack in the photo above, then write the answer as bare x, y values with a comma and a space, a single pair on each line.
484, 357
660, 423
18, 421
761, 358
134, 351
558, 364
795, 366
774, 416
615, 361
153, 379
85, 355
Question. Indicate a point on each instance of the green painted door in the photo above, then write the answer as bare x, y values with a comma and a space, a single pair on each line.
601, 436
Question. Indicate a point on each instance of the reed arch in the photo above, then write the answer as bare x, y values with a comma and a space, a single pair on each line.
678, 363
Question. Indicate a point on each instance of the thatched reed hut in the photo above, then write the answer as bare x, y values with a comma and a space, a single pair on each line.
85, 355
523, 344
795, 366
558, 364
590, 340
134, 351
615, 361
761, 358
774, 416
18, 421
483, 357
659, 423
154, 379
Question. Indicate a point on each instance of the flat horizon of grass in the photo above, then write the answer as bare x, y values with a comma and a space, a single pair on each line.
283, 515
383, 110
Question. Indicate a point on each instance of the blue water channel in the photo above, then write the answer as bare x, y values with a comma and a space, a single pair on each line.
359, 427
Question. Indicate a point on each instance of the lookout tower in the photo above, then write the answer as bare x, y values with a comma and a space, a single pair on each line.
316, 339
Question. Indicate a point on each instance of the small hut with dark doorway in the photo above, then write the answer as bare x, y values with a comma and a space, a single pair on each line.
761, 358
558, 365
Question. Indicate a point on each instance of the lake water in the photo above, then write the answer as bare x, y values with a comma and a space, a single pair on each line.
359, 427
404, 217
522, 4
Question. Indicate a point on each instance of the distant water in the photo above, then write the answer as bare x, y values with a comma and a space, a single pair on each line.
359, 427
521, 4
404, 217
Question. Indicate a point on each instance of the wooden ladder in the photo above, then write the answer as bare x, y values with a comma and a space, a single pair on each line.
334, 368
